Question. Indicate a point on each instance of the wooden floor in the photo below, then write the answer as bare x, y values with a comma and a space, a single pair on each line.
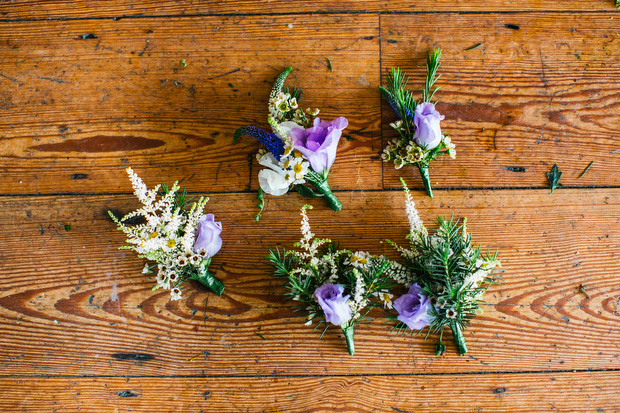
88, 88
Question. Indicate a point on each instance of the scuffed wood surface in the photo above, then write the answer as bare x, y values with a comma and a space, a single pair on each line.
74, 112
536, 320
521, 102
368, 393
30, 9
89, 88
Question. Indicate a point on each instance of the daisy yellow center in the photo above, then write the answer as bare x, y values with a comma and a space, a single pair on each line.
153, 235
353, 259
297, 154
297, 168
363, 261
287, 164
171, 243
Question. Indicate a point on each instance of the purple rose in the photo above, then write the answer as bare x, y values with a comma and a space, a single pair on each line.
318, 143
333, 304
413, 308
208, 235
428, 131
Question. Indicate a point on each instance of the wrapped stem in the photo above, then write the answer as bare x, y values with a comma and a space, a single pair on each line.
205, 278
426, 179
348, 335
459, 339
323, 188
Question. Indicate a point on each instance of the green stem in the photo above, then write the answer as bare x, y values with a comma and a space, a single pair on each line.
323, 188
426, 179
348, 334
457, 332
205, 278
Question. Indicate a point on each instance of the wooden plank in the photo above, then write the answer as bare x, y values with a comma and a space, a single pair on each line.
578, 391
29, 9
75, 112
71, 302
523, 101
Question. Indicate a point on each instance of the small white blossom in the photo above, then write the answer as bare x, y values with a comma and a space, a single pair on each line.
358, 259
175, 294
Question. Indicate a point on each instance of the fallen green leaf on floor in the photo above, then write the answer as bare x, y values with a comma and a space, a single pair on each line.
329, 64
183, 63
477, 45
67, 228
554, 177
588, 167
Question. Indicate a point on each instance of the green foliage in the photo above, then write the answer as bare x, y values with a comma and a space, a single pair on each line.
452, 272
261, 203
432, 64
553, 178
588, 167
306, 191
400, 98
181, 200
304, 277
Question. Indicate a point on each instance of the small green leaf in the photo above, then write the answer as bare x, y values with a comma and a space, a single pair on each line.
553, 178
477, 45
261, 203
588, 167
329, 64
440, 349
305, 191
183, 63
67, 228
260, 335
348, 137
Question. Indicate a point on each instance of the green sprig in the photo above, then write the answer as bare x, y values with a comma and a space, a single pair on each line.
432, 65
553, 178
261, 203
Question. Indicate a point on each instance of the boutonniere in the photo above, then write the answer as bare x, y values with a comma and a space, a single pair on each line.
418, 123
301, 149
333, 286
174, 234
447, 277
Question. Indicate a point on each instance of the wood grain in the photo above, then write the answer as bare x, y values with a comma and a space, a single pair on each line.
578, 391
73, 310
29, 9
75, 112
523, 101
88, 88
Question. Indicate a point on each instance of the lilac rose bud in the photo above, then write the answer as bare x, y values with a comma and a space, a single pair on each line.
413, 308
333, 304
428, 131
208, 235
318, 143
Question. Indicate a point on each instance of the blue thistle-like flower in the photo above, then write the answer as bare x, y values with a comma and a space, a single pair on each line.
390, 99
271, 141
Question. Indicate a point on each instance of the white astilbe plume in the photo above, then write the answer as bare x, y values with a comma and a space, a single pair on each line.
192, 223
167, 236
308, 242
358, 302
416, 226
